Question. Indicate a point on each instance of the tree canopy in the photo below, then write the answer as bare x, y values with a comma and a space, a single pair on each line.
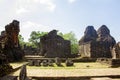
21, 40
74, 42
35, 38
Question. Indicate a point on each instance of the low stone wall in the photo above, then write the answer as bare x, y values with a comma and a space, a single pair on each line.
84, 59
50, 62
109, 61
115, 62
104, 60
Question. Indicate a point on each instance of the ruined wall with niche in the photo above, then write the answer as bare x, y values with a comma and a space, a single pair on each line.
53, 45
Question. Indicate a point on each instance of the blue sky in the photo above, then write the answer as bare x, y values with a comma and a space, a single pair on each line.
63, 15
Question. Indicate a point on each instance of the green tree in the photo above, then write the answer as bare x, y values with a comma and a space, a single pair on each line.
35, 38
74, 42
21, 40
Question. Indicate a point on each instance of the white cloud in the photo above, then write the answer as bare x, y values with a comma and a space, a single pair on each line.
24, 6
21, 10
27, 27
71, 1
1, 29
1, 1
47, 3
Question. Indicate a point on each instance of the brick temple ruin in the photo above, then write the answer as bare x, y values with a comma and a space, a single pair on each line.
53, 45
9, 43
116, 51
9, 47
96, 44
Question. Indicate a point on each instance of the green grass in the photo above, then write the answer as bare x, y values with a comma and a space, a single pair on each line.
81, 65
81, 68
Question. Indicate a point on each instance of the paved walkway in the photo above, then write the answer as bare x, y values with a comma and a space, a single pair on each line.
72, 72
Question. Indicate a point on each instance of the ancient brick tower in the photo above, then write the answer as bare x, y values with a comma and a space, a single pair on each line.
96, 44
12, 31
10, 43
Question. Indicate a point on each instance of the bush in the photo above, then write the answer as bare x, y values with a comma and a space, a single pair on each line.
5, 69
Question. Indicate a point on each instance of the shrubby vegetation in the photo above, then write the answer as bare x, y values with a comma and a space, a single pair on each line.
5, 69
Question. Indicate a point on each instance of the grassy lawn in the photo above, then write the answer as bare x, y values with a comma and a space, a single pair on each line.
81, 65
79, 69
